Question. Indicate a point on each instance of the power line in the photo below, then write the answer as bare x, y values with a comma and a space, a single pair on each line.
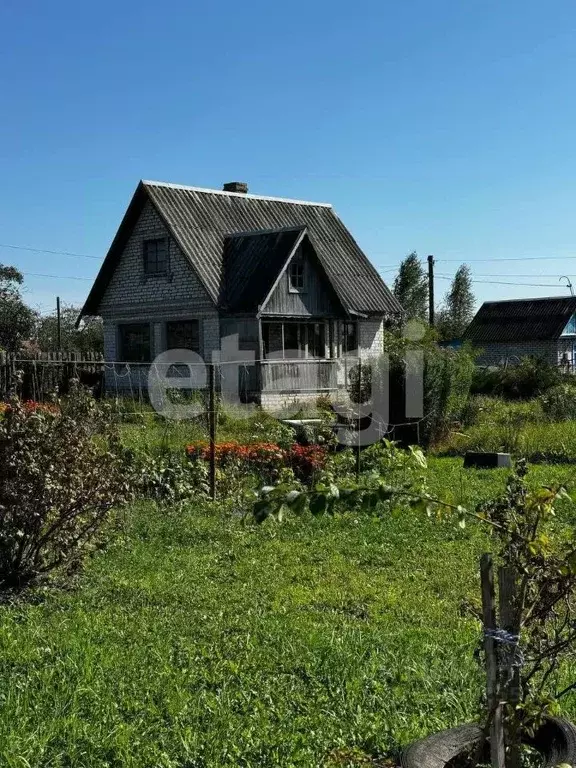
514, 258
386, 267
44, 250
499, 274
501, 282
56, 277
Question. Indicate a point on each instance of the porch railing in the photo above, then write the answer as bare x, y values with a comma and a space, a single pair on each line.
304, 375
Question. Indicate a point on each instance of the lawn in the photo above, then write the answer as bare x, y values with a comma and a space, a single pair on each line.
197, 641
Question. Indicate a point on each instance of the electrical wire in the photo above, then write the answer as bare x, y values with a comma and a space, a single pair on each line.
53, 253
501, 282
57, 277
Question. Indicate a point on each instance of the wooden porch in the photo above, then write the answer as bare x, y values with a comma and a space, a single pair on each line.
300, 376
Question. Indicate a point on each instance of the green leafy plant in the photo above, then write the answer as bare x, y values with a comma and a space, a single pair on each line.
335, 491
559, 403
447, 376
61, 473
523, 522
168, 477
543, 568
531, 377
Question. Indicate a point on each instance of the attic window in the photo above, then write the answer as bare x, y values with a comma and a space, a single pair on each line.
296, 276
156, 256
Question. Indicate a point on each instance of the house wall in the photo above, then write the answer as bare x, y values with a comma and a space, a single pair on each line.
132, 296
371, 337
551, 351
315, 300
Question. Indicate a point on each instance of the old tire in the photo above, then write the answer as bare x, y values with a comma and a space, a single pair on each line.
438, 749
556, 740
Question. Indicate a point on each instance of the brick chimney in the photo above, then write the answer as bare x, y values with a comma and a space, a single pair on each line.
236, 186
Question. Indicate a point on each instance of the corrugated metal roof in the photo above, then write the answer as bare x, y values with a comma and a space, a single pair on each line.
201, 220
252, 262
521, 320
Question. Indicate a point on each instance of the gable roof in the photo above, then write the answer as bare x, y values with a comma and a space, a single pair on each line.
521, 320
203, 221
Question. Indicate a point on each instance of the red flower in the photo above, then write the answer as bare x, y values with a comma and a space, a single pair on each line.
304, 460
31, 406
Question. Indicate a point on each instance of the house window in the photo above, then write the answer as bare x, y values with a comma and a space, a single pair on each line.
134, 343
156, 256
272, 339
349, 338
317, 340
183, 334
296, 276
293, 340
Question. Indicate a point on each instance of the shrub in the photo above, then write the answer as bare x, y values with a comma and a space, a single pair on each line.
497, 412
393, 463
31, 406
61, 472
447, 376
169, 478
447, 379
265, 459
306, 460
530, 378
559, 403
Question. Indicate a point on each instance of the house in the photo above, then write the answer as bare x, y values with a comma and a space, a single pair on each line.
189, 266
506, 331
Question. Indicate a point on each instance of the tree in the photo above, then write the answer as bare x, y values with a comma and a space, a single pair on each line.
17, 321
411, 287
458, 306
88, 337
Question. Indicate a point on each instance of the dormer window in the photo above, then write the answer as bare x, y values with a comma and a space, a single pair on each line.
296, 276
156, 256
570, 329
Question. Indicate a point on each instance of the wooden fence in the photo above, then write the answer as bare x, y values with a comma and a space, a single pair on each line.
39, 376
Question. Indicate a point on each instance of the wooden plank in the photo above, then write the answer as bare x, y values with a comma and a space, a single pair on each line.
495, 710
212, 422
510, 621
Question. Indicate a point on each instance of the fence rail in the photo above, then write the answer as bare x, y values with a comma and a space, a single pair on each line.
38, 377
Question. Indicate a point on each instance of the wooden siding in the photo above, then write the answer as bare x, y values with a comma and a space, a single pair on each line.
316, 300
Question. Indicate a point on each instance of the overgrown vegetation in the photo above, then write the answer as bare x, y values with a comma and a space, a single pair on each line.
447, 376
61, 473
539, 429
530, 378
315, 620
199, 640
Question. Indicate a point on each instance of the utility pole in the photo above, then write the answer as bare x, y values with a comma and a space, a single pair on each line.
431, 290
58, 324
212, 427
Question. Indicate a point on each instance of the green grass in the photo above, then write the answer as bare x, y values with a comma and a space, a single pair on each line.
517, 427
146, 431
196, 641
545, 441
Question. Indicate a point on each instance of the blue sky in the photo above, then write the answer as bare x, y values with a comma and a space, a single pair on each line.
442, 127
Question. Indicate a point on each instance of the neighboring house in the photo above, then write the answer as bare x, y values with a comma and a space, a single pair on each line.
189, 266
506, 331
